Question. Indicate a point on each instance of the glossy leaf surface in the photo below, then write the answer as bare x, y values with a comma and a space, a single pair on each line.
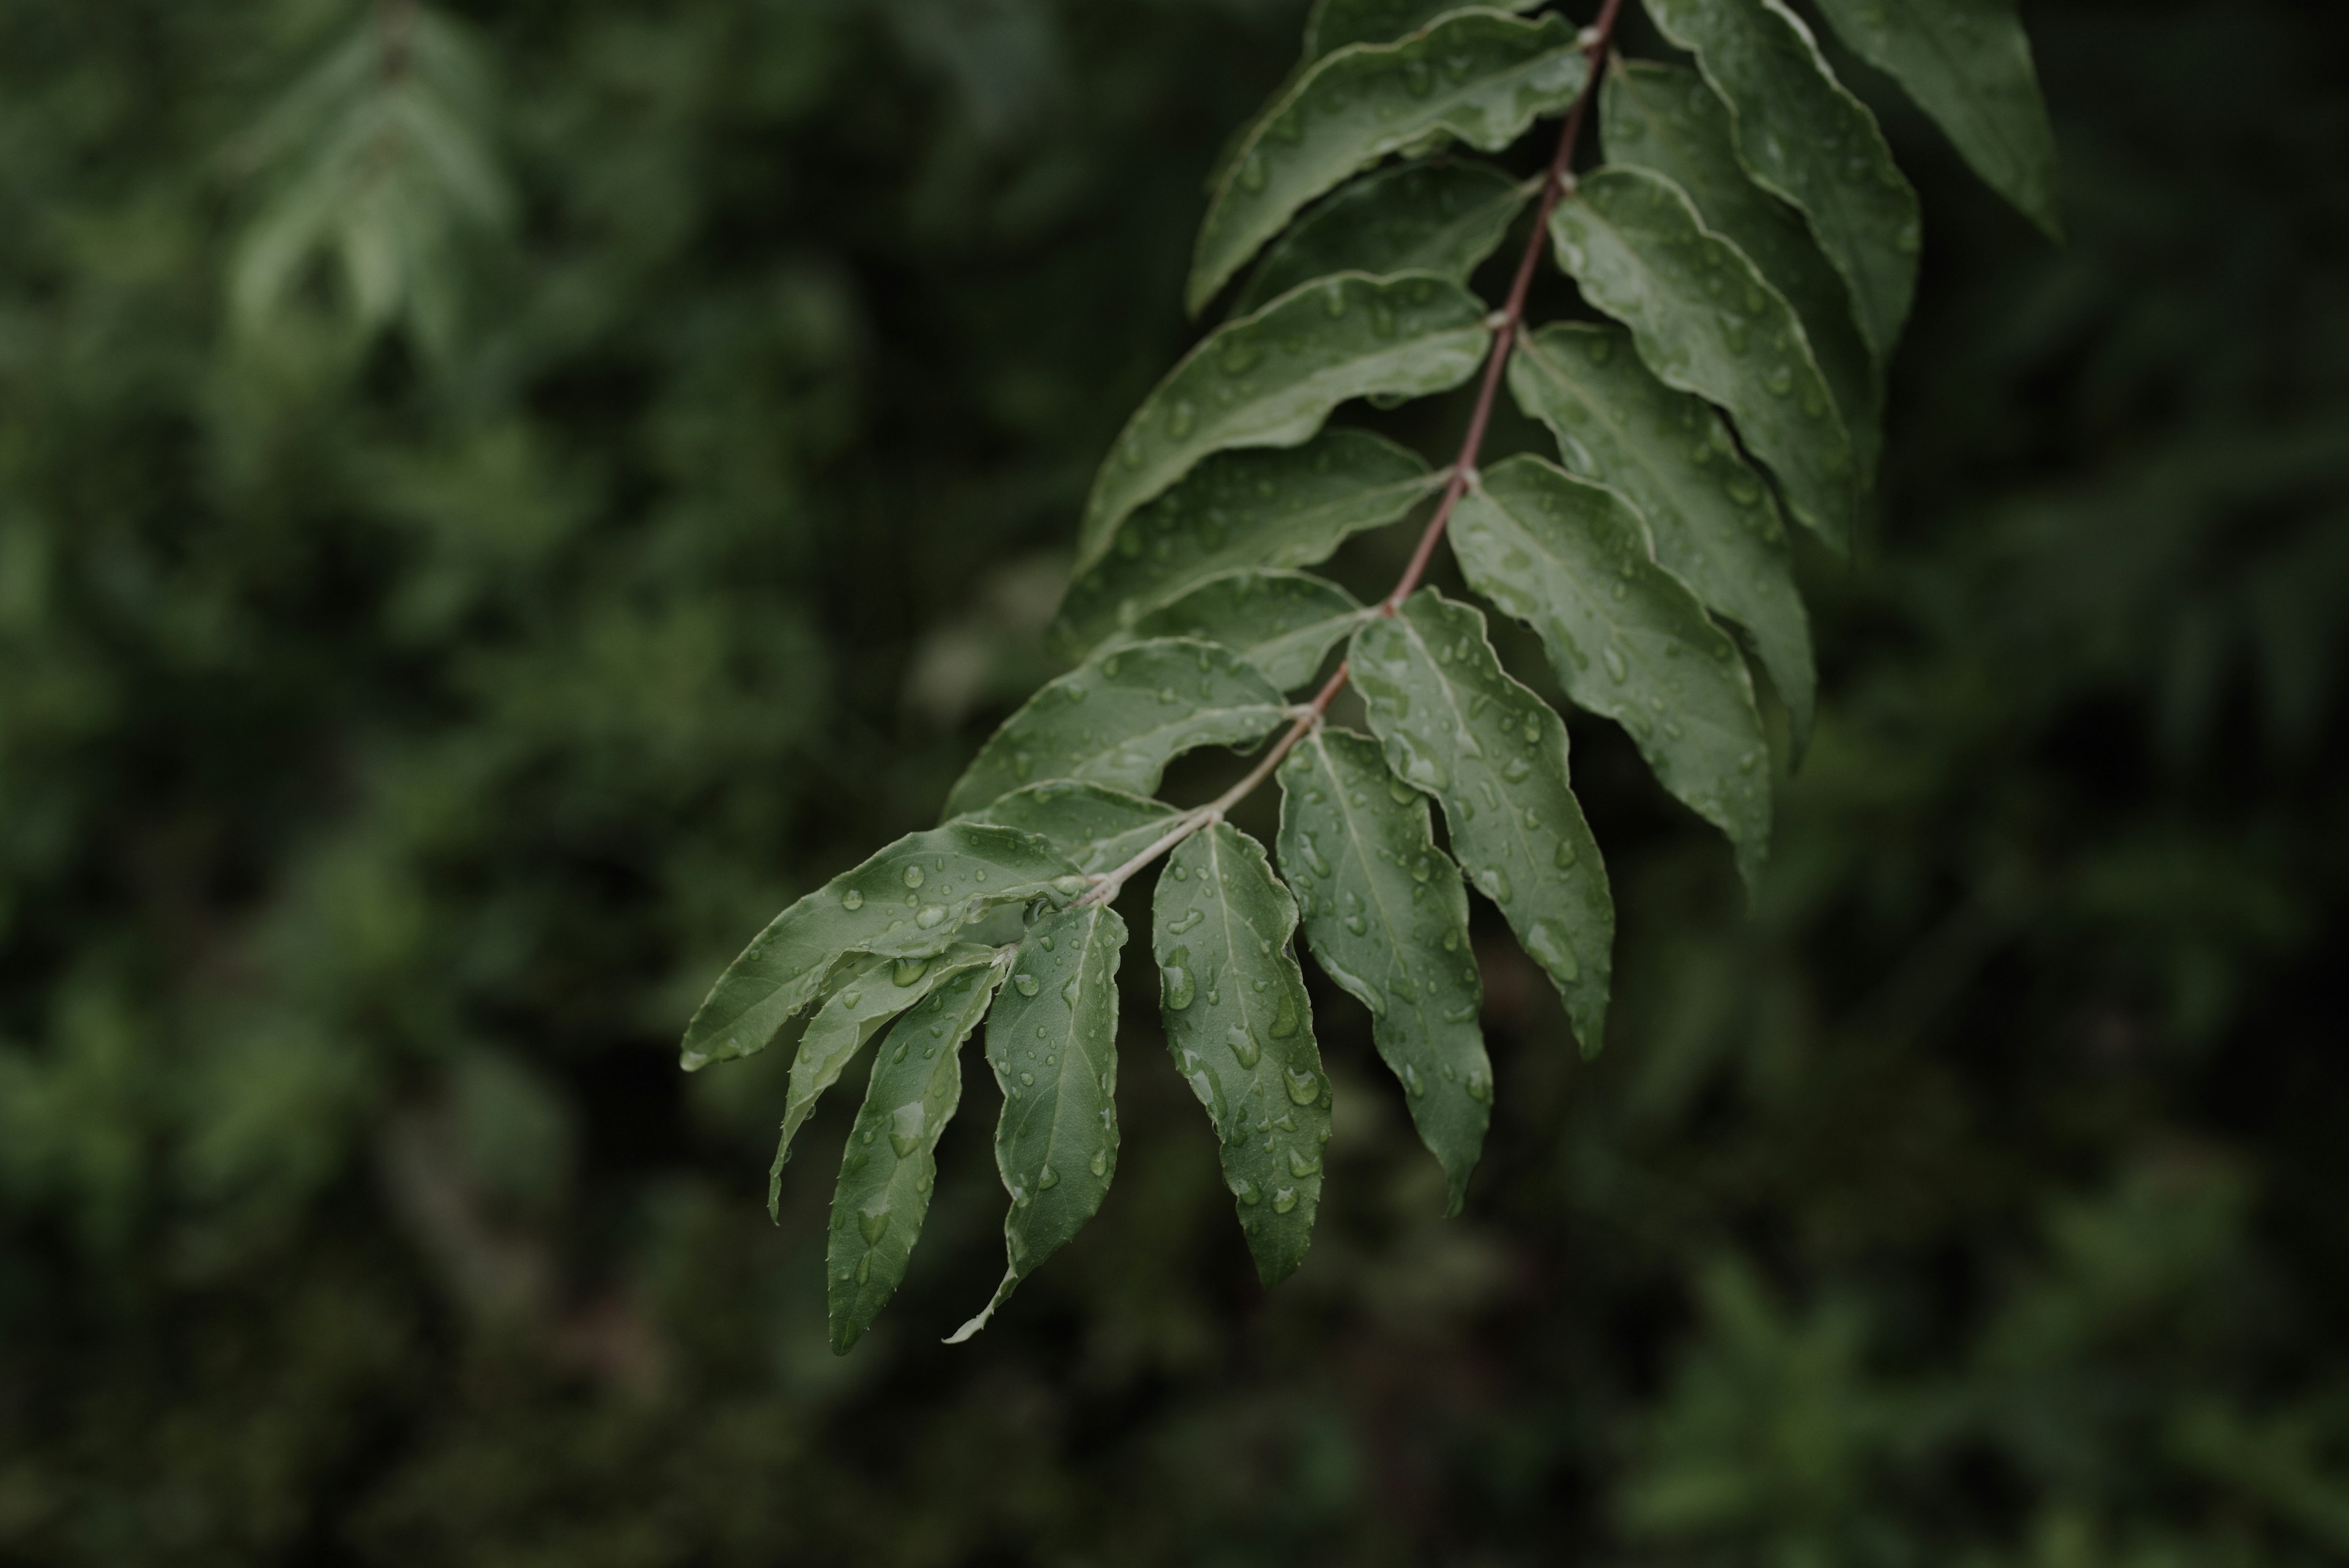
1284, 623
1443, 216
1457, 725
1118, 719
1285, 507
1706, 322
1570, 559
1271, 378
889, 1167
1386, 917
1966, 64
1097, 828
1476, 76
1052, 1042
1801, 134
910, 901
1241, 1031
1708, 515
1334, 24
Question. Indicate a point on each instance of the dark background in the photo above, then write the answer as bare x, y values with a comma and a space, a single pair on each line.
396, 740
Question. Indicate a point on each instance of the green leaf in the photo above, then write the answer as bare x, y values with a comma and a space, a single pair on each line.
1476, 75
1454, 723
1665, 119
1289, 507
1803, 136
1387, 919
1271, 378
1097, 828
890, 1166
1711, 517
1284, 623
1706, 322
911, 900
1241, 1031
1335, 24
1968, 64
875, 990
1444, 216
1119, 718
1052, 1042
1570, 559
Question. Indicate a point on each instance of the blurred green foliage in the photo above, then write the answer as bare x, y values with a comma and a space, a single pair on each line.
411, 691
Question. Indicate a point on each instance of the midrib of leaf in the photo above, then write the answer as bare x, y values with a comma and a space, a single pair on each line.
1363, 853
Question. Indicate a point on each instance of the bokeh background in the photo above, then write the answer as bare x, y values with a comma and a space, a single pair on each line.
419, 675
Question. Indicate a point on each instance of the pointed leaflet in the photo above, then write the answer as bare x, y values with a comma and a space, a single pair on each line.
1052, 1042
1710, 516
1284, 623
874, 992
1335, 24
1570, 559
1271, 378
1476, 75
1444, 216
910, 901
1097, 828
1241, 1031
1665, 119
1454, 723
1801, 135
1119, 718
1706, 322
1387, 919
1968, 64
889, 1167
1289, 507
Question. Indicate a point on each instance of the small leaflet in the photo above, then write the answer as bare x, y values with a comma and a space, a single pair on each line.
1711, 517
1052, 1042
889, 1167
1706, 322
1627, 639
913, 899
1663, 118
1335, 24
1284, 623
1443, 217
1386, 917
1803, 136
1966, 64
1455, 724
1241, 1031
1474, 75
875, 990
1271, 508
1097, 828
1271, 378
1119, 718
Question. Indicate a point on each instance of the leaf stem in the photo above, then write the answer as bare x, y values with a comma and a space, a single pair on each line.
1505, 323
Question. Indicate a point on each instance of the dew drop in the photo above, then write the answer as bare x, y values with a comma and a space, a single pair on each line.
1025, 985
852, 900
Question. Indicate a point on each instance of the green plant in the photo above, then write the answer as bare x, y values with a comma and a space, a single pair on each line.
1751, 249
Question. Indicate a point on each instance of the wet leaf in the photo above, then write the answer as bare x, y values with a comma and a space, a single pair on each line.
1335, 24
1097, 828
1284, 623
1443, 217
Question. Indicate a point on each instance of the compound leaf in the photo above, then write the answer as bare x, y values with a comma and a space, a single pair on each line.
1241, 1031
1801, 134
1665, 119
1706, 322
1097, 828
912, 899
1476, 75
1456, 724
1052, 1042
1283, 507
1271, 378
1710, 516
1570, 559
1284, 623
1968, 64
1119, 718
1387, 917
1443, 217
890, 1165
1334, 24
